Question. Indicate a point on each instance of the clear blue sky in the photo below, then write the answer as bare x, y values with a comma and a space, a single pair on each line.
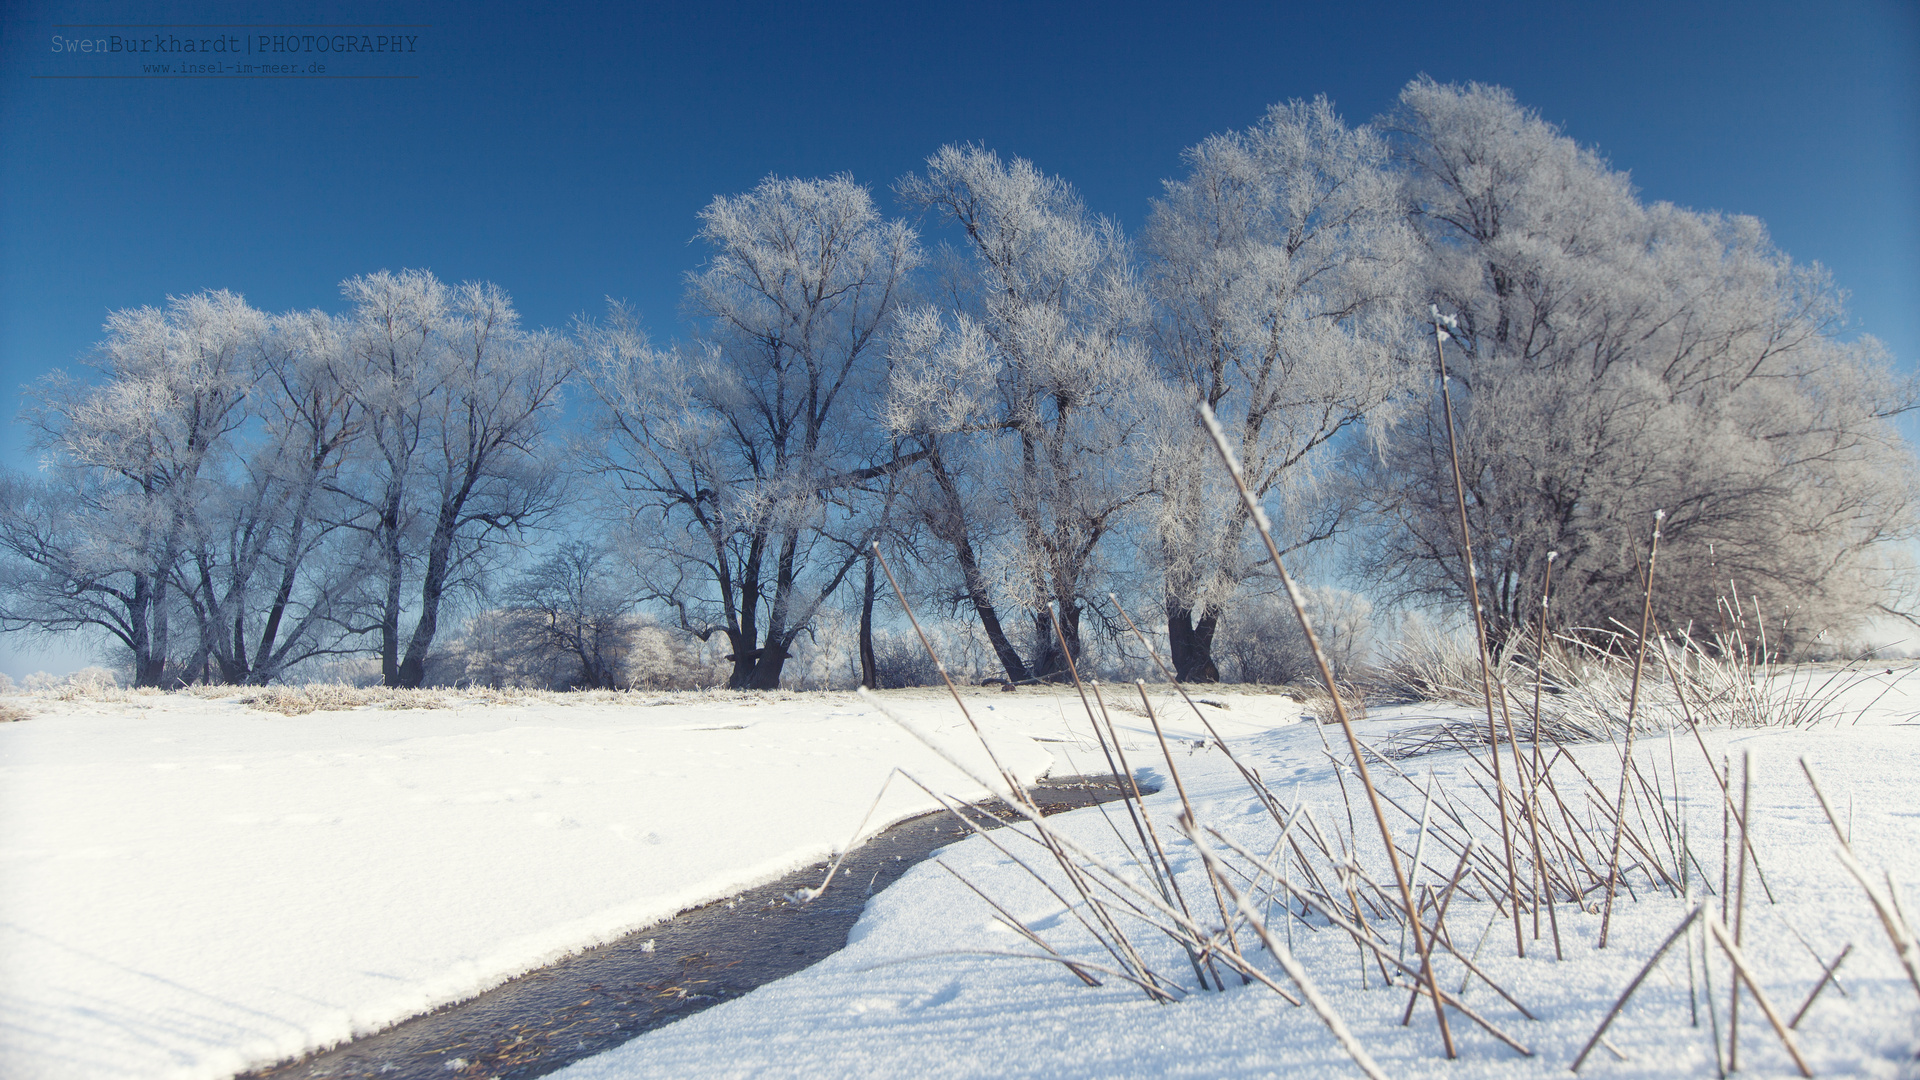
564, 155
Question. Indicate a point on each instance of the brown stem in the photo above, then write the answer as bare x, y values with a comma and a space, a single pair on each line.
1259, 517
1645, 970
1739, 910
1480, 635
1626, 754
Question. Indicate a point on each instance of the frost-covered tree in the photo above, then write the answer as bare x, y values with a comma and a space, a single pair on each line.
1282, 265
130, 463
1261, 641
456, 399
741, 458
568, 604
272, 563
1613, 359
1026, 395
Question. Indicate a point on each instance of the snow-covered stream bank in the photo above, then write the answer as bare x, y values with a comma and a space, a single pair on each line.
915, 993
191, 887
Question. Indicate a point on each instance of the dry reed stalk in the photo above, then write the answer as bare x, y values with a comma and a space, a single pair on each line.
1294, 970
1180, 786
1279, 843
1006, 774
1743, 972
1439, 926
1726, 842
1827, 972
1713, 1014
1330, 910
1252, 778
1339, 776
1473, 969
1182, 929
1018, 797
1006, 917
1892, 919
1533, 786
855, 838
1265, 529
1724, 782
1479, 628
1645, 970
1419, 851
1740, 909
1626, 755
1185, 925
1164, 878
1073, 670
1094, 720
1149, 988
1022, 803
1638, 843
994, 841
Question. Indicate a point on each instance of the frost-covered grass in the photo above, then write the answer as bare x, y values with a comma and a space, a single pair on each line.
1584, 687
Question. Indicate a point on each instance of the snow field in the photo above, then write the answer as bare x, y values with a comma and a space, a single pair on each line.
193, 887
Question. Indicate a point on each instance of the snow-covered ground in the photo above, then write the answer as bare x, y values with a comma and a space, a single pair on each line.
189, 887
915, 994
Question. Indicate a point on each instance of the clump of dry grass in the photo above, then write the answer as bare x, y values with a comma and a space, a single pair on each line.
87, 684
1583, 687
1316, 703
1429, 664
10, 713
332, 697
301, 699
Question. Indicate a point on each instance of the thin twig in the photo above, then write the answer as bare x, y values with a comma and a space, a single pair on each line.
1626, 755
1479, 628
1645, 970
1826, 976
1744, 973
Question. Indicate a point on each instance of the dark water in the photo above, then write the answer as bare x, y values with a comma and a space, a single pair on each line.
600, 998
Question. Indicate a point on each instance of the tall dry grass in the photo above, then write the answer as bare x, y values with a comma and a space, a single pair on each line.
1536, 826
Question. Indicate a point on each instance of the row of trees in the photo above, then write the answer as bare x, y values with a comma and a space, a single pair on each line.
291, 487
1010, 411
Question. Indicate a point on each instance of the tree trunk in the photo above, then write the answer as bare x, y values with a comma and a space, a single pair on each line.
1191, 643
954, 530
766, 671
389, 533
869, 664
433, 586
147, 667
155, 673
744, 656
773, 652
1050, 656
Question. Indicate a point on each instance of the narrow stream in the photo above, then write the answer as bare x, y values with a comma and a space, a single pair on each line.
600, 998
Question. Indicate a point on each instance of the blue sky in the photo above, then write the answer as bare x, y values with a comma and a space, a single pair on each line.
564, 155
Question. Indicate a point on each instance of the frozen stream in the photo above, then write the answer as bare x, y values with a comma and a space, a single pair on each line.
604, 996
